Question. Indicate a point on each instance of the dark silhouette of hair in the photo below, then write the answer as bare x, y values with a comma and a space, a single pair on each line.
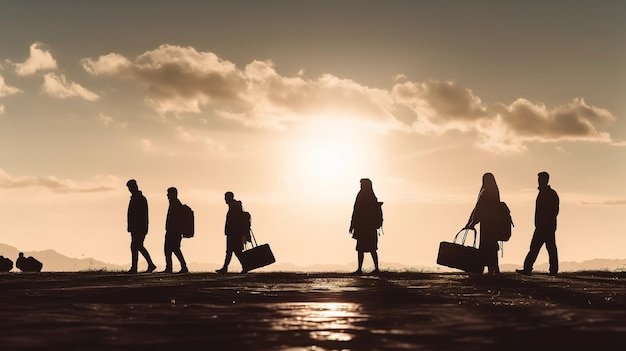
489, 188
367, 190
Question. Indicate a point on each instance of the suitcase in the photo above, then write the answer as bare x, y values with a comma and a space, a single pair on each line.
457, 255
257, 256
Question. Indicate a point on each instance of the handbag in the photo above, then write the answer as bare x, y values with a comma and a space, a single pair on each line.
257, 256
459, 256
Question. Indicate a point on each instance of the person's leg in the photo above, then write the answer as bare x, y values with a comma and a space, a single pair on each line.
146, 255
552, 254
134, 254
229, 255
495, 268
179, 254
360, 256
168, 255
533, 252
238, 255
375, 259
144, 252
181, 259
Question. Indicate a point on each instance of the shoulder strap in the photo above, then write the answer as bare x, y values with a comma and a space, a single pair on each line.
253, 242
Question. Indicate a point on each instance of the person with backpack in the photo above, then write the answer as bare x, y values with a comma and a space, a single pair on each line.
364, 225
236, 230
485, 212
137, 226
174, 227
546, 211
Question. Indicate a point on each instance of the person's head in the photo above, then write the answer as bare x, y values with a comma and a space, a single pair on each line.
490, 186
172, 193
489, 180
132, 186
229, 197
543, 178
366, 184
21, 254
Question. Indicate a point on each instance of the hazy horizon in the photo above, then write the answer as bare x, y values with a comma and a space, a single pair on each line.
288, 104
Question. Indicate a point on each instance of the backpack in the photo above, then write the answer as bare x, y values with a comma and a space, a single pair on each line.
378, 216
246, 225
187, 222
503, 222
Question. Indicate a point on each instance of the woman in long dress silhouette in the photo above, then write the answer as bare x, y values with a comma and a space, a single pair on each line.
364, 224
483, 213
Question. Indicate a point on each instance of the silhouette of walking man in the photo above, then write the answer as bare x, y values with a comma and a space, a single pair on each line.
233, 230
137, 220
483, 213
173, 232
546, 211
364, 224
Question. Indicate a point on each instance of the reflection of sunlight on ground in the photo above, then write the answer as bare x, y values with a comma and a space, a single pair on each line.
331, 321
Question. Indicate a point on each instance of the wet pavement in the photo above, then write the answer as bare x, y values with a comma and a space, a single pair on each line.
312, 311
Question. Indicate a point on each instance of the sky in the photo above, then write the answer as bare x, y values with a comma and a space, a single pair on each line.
289, 103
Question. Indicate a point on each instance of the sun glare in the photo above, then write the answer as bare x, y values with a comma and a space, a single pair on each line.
330, 156
331, 159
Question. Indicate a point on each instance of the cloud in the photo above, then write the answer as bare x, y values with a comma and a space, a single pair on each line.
6, 90
573, 121
147, 146
524, 122
433, 107
58, 86
107, 65
181, 80
191, 138
110, 121
100, 184
39, 59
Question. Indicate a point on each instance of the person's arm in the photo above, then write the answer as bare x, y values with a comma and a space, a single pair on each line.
474, 217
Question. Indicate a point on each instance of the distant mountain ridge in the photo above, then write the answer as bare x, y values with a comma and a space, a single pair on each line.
56, 262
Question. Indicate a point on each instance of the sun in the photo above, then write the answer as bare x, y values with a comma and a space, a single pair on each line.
331, 159
328, 157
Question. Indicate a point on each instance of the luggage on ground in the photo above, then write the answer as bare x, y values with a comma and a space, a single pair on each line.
5, 264
459, 256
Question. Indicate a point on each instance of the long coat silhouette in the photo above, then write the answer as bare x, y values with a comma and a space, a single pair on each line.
483, 213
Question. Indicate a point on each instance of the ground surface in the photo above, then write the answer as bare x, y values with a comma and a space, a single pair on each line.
316, 311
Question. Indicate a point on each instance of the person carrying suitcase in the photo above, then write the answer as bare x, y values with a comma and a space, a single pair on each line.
484, 213
235, 230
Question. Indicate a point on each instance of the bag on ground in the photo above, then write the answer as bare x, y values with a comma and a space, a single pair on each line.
5, 264
459, 256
